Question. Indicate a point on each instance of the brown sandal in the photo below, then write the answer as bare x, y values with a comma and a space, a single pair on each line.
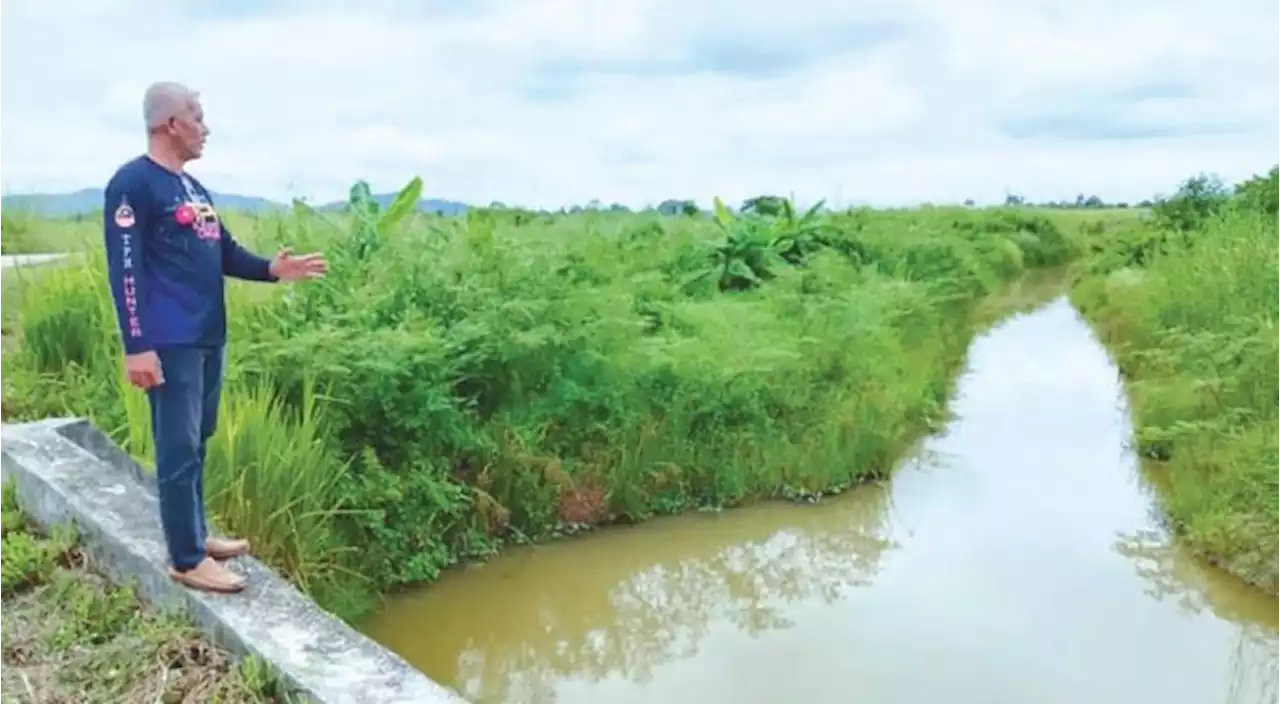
226, 548
209, 576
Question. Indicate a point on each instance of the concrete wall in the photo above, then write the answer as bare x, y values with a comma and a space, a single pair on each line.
67, 470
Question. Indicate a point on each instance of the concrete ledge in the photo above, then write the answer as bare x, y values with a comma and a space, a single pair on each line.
13, 261
67, 470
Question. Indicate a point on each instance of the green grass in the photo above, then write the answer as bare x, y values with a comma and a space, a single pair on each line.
457, 384
12, 282
25, 233
72, 636
11, 285
1189, 307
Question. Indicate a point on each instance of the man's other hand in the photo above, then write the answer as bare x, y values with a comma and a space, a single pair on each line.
287, 267
144, 369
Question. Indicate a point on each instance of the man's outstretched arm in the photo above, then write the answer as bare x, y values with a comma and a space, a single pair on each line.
125, 216
240, 263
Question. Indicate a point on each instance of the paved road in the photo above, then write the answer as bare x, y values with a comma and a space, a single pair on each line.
9, 261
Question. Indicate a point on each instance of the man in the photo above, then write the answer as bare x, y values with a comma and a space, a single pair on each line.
167, 254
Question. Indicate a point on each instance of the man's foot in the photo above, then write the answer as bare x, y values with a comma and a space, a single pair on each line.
226, 548
209, 576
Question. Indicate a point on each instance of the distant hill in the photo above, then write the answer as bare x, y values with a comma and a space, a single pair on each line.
89, 200
54, 204
426, 205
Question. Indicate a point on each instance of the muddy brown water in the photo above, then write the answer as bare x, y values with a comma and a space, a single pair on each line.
1016, 557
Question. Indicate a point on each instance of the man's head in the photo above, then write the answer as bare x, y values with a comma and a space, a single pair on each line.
175, 120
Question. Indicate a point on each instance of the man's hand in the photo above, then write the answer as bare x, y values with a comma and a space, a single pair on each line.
287, 267
144, 369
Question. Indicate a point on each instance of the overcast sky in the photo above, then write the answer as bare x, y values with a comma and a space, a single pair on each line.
548, 102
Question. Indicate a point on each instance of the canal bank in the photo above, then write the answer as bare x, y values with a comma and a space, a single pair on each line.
1018, 556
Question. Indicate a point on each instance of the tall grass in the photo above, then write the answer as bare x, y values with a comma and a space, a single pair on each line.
26, 233
271, 475
1190, 305
456, 383
15, 235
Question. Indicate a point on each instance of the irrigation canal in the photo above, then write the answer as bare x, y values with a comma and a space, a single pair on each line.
1017, 558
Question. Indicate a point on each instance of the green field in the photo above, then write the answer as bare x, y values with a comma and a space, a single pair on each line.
457, 384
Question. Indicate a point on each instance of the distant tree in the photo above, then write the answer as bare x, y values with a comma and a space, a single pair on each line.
1014, 199
1260, 193
763, 205
672, 206
1196, 200
969, 203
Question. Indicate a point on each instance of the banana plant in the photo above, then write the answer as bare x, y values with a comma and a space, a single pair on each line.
370, 223
747, 256
795, 238
356, 241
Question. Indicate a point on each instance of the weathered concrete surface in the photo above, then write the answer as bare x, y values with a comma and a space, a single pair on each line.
65, 469
9, 261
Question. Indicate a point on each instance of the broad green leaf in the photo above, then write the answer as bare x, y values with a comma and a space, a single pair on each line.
739, 268
723, 215
404, 204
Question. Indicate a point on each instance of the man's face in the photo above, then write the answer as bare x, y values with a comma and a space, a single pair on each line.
188, 131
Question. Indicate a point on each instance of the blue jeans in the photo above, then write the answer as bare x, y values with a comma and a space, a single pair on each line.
184, 414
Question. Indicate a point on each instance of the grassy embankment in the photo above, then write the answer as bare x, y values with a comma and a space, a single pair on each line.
1188, 304
71, 636
456, 384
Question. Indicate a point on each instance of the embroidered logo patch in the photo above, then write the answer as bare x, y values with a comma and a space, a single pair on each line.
124, 215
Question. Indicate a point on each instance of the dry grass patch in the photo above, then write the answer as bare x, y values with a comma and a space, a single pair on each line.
69, 635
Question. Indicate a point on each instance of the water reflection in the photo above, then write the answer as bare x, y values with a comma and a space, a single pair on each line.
603, 607
1022, 563
1171, 574
1253, 676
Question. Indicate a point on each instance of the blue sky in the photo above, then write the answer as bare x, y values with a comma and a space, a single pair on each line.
547, 102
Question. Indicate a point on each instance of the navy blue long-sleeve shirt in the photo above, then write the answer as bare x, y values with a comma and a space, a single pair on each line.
167, 254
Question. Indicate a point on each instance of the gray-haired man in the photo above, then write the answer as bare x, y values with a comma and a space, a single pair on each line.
167, 253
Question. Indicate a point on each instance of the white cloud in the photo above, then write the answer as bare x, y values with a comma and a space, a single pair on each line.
547, 102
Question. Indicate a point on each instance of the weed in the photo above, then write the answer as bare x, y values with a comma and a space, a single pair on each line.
71, 636
1192, 322
457, 383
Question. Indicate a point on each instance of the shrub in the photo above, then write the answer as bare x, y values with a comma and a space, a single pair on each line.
1193, 323
456, 383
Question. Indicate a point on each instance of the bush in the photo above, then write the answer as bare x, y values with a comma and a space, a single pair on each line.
1260, 194
456, 383
15, 235
1193, 324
